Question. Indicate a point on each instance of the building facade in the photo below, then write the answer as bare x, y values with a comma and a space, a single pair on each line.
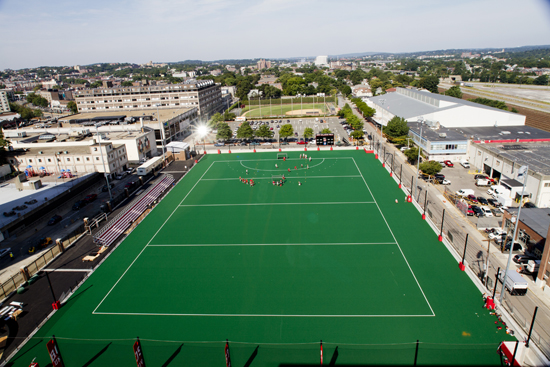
205, 95
4, 103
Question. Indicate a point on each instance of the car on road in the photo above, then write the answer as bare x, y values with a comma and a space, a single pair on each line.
301, 142
254, 143
284, 143
266, 143
522, 259
449, 163
4, 251
89, 198
105, 189
529, 205
79, 205
129, 184
219, 144
130, 170
121, 175
54, 220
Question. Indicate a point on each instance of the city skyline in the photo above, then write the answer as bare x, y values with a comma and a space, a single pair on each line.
60, 33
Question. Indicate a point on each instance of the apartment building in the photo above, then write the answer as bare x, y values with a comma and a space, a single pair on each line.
205, 95
4, 103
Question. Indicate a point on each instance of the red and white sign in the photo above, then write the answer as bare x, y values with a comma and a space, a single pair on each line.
53, 351
138, 353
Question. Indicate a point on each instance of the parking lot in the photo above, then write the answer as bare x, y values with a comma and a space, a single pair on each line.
298, 124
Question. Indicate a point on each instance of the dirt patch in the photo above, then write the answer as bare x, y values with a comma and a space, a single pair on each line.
312, 112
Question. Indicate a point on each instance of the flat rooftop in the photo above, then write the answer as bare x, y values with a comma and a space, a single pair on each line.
149, 114
534, 155
504, 133
434, 135
538, 219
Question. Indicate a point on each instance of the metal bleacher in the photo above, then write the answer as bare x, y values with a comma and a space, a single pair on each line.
116, 227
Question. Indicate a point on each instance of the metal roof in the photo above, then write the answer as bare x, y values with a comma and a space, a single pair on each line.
534, 155
499, 133
538, 219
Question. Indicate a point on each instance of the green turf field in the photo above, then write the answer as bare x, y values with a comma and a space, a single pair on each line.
279, 110
275, 270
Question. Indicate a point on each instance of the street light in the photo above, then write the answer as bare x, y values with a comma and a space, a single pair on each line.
421, 122
161, 133
103, 161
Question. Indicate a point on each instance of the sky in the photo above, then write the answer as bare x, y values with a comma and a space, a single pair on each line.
61, 32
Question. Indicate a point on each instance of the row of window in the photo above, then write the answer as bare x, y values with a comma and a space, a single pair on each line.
449, 146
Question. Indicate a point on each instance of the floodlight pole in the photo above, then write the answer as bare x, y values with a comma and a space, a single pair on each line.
103, 161
161, 128
525, 174
421, 121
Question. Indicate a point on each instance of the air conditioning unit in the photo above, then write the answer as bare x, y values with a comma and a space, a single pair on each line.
40, 152
66, 152
442, 135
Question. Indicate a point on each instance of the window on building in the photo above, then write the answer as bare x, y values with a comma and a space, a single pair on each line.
547, 184
68, 159
49, 160
30, 160
78, 159
97, 158
87, 159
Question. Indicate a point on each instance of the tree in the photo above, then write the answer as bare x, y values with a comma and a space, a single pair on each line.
355, 122
126, 83
3, 144
215, 119
72, 106
430, 167
38, 87
454, 91
357, 134
308, 132
286, 131
264, 132
245, 131
224, 131
541, 80
430, 83
397, 127
229, 116
96, 84
412, 154
37, 100
326, 130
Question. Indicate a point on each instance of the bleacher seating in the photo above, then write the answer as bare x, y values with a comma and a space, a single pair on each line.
116, 227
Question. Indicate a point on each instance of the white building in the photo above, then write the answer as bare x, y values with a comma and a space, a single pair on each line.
321, 61
4, 103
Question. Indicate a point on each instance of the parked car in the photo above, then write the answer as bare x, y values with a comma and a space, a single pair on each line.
470, 211
301, 142
439, 176
121, 175
465, 164
449, 164
477, 211
472, 198
219, 144
496, 213
54, 220
105, 189
493, 202
482, 200
130, 170
129, 184
522, 259
486, 211
90, 198
529, 205
4, 251
518, 247
79, 205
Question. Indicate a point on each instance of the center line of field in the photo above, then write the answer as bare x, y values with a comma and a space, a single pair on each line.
271, 178
277, 169
271, 244
259, 204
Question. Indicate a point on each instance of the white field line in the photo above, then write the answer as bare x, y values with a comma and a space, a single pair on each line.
246, 315
263, 204
162, 226
382, 214
272, 244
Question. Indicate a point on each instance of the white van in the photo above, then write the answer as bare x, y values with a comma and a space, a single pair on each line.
495, 191
483, 182
465, 192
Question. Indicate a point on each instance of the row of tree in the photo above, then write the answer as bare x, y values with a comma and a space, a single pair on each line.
353, 121
245, 131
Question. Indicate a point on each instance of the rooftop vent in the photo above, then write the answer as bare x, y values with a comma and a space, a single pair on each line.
442, 135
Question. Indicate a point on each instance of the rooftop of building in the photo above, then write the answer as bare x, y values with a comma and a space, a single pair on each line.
538, 219
435, 135
503, 134
149, 115
534, 155
409, 103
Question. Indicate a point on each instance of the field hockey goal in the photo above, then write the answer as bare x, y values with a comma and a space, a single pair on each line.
281, 156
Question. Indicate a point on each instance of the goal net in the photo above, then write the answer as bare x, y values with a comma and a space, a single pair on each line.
281, 155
